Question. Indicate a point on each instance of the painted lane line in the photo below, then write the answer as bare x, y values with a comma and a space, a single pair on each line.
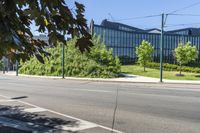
71, 117
34, 110
79, 125
92, 90
163, 96
83, 124
182, 89
6, 100
67, 116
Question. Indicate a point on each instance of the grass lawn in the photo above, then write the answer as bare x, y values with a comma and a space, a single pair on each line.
155, 73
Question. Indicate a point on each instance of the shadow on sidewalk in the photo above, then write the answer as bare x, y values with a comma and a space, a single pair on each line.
123, 75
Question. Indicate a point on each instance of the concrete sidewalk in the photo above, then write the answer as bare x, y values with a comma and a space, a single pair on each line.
127, 78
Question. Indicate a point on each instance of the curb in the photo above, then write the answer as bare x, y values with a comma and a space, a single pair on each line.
85, 79
108, 80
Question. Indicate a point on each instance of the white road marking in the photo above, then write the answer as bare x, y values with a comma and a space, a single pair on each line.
79, 125
181, 89
163, 96
67, 116
34, 110
129, 92
6, 100
91, 90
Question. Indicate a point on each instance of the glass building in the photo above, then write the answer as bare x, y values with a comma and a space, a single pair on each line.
124, 42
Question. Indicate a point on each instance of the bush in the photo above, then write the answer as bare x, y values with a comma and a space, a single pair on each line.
99, 62
173, 67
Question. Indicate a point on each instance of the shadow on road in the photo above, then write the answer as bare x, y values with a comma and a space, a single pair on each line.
20, 97
14, 120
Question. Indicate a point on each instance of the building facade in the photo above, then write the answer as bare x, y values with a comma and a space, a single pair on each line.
186, 31
11, 66
124, 42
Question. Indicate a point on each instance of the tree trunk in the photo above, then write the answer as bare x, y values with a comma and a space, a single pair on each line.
180, 69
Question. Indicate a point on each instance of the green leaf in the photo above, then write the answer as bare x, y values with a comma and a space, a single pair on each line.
16, 17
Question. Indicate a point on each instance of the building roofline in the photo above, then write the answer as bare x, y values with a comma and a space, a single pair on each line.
166, 33
152, 29
117, 23
189, 28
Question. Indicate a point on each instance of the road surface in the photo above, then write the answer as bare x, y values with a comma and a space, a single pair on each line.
141, 108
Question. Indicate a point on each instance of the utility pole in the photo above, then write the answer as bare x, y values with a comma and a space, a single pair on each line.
63, 60
161, 48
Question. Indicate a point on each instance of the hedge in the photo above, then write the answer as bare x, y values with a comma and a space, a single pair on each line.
173, 67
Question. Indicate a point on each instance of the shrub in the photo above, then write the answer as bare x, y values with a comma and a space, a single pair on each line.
99, 62
173, 67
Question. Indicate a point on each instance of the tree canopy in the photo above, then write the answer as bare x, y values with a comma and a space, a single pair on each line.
52, 17
185, 53
144, 53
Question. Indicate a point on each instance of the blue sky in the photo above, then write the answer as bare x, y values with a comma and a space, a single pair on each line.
122, 9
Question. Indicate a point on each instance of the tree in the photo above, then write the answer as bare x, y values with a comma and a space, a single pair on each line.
144, 53
185, 53
52, 17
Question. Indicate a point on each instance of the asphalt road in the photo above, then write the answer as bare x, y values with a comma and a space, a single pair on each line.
142, 108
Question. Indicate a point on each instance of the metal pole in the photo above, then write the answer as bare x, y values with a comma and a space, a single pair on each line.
17, 67
4, 67
92, 27
161, 49
63, 60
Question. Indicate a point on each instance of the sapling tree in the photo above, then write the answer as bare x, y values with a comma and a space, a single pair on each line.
144, 53
185, 53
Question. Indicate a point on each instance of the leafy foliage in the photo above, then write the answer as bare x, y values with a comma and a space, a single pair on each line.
185, 53
144, 53
173, 67
52, 17
99, 62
